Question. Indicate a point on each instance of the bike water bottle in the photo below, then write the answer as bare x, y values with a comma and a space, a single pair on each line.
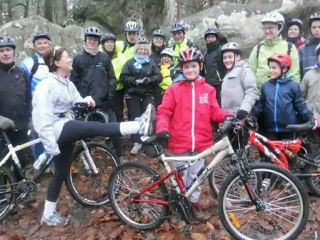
41, 159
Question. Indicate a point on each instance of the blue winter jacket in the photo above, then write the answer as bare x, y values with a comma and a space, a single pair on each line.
307, 55
281, 103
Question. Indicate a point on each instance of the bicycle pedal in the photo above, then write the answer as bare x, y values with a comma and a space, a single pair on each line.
186, 229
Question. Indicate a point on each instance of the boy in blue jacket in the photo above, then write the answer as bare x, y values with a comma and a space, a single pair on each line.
281, 102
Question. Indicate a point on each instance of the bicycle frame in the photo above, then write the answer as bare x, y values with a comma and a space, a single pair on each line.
222, 149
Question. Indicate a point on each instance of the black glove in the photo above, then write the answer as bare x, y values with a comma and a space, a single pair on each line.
146, 80
241, 114
163, 134
138, 81
6, 123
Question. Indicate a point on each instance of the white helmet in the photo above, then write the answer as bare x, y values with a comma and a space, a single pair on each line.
274, 17
168, 51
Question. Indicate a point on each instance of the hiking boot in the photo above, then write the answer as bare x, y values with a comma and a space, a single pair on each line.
54, 219
135, 149
196, 211
146, 121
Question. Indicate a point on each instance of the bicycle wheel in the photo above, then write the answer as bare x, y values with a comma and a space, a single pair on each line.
85, 187
313, 182
219, 174
285, 205
125, 182
8, 191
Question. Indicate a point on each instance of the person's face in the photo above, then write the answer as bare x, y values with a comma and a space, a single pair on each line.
92, 42
211, 38
158, 41
274, 70
191, 70
109, 45
132, 37
6, 55
315, 29
178, 36
65, 62
166, 59
143, 50
293, 31
229, 59
270, 31
42, 46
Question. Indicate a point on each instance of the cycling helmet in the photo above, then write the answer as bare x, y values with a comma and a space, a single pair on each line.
131, 26
231, 47
297, 22
190, 54
211, 30
318, 50
282, 58
176, 27
7, 42
274, 17
93, 32
142, 40
39, 35
108, 36
168, 51
313, 17
158, 33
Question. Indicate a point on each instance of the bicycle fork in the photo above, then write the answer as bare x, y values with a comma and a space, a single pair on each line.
87, 160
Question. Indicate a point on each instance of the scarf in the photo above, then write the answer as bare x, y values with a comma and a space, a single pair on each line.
92, 51
140, 60
213, 46
7, 67
293, 40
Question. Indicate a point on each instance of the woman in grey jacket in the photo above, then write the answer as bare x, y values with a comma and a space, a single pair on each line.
239, 88
53, 120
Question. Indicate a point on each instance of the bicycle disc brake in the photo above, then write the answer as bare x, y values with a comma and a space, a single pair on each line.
181, 205
27, 190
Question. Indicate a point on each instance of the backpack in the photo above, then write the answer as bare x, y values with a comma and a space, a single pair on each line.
260, 45
35, 66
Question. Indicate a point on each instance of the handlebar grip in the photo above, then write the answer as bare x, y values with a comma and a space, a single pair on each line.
225, 127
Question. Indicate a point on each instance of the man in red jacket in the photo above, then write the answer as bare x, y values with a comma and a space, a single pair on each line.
186, 112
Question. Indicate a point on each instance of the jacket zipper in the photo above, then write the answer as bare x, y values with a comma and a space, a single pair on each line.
193, 117
275, 107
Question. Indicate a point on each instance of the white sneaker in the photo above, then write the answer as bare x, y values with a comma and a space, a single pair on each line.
54, 219
146, 121
136, 148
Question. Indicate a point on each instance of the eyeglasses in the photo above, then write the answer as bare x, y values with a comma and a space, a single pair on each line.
269, 27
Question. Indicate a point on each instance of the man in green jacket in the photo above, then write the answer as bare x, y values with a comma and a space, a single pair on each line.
272, 24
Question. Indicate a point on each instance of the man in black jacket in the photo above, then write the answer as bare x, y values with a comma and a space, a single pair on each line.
213, 65
15, 101
93, 74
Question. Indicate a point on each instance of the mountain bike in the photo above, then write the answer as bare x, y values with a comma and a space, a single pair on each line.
86, 181
249, 206
289, 154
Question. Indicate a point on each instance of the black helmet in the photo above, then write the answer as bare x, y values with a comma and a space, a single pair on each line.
93, 32
313, 17
211, 30
108, 36
231, 47
295, 21
142, 40
177, 27
7, 42
39, 35
131, 26
158, 33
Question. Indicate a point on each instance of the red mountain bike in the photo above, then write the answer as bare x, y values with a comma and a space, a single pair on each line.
289, 154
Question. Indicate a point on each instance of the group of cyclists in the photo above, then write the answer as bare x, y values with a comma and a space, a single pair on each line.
279, 84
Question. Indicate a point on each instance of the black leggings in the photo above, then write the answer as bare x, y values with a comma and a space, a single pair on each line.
71, 132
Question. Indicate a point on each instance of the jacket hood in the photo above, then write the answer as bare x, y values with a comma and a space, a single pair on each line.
272, 42
242, 63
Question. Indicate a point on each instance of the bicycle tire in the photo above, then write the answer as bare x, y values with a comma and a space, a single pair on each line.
9, 183
97, 116
86, 188
243, 217
313, 182
127, 180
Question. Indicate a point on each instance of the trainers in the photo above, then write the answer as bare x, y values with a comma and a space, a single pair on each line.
136, 148
196, 211
54, 219
146, 121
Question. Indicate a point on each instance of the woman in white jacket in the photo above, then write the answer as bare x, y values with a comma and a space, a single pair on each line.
53, 120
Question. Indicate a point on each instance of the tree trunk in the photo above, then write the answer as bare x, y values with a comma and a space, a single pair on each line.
48, 10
